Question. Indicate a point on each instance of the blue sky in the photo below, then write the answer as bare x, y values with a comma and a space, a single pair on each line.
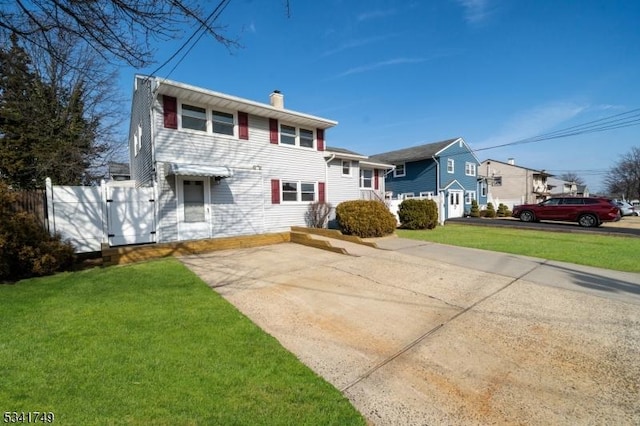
396, 74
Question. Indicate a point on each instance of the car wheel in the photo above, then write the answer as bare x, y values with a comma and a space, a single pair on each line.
588, 220
527, 216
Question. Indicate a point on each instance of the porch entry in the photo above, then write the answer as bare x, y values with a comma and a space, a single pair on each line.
455, 206
194, 207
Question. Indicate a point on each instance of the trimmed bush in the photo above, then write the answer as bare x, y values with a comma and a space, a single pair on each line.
365, 218
475, 210
26, 248
503, 211
491, 211
418, 214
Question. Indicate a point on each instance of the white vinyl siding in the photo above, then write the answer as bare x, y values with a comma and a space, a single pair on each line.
248, 191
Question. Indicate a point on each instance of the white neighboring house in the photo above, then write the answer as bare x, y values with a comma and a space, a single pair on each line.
226, 166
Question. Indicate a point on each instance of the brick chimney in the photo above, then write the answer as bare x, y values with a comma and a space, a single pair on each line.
277, 99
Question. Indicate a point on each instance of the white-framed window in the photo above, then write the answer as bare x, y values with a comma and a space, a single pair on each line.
137, 140
222, 122
296, 136
450, 165
194, 118
346, 167
297, 191
366, 178
306, 138
400, 170
202, 119
497, 181
483, 188
470, 169
469, 196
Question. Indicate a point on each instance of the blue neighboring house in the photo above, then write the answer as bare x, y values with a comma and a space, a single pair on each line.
446, 169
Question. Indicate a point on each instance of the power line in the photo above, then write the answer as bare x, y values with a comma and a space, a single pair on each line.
203, 24
617, 121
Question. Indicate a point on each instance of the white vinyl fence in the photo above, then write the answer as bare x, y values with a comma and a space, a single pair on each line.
394, 203
90, 216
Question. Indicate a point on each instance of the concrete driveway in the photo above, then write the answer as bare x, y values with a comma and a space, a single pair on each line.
412, 337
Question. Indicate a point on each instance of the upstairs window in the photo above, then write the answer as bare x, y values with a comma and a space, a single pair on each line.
399, 171
194, 118
470, 169
450, 165
295, 136
287, 135
306, 138
222, 123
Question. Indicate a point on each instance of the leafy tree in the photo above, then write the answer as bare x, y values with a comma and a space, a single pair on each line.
623, 179
120, 29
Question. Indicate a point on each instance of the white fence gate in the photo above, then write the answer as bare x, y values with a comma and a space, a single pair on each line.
90, 216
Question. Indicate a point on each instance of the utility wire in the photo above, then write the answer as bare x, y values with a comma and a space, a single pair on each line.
215, 14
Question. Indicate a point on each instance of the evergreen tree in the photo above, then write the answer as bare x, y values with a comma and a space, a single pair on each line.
44, 131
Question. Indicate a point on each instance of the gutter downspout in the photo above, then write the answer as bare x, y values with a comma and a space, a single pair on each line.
326, 178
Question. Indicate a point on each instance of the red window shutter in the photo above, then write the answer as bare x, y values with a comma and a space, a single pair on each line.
275, 191
170, 112
376, 184
243, 125
320, 138
321, 192
273, 130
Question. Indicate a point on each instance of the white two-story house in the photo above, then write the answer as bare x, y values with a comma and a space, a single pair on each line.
226, 166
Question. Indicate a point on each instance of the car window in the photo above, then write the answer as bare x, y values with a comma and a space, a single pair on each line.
572, 201
551, 202
590, 201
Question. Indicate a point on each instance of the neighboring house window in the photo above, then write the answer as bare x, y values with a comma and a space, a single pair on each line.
483, 189
298, 191
194, 118
366, 178
222, 122
137, 140
399, 171
346, 168
469, 196
470, 169
450, 165
497, 181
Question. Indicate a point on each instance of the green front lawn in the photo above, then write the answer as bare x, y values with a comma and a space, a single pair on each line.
603, 251
150, 344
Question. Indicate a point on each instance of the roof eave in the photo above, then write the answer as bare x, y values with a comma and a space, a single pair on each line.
224, 101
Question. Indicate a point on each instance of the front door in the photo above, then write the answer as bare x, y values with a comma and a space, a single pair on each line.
194, 212
454, 204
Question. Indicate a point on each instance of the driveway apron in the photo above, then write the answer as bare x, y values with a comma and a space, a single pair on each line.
411, 338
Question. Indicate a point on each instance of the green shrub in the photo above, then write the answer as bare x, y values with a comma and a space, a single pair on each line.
491, 211
418, 214
365, 218
503, 210
26, 248
475, 210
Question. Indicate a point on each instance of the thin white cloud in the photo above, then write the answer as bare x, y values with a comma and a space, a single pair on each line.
352, 44
375, 14
382, 64
533, 122
475, 11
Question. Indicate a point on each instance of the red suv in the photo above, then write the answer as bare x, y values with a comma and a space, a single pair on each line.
586, 211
